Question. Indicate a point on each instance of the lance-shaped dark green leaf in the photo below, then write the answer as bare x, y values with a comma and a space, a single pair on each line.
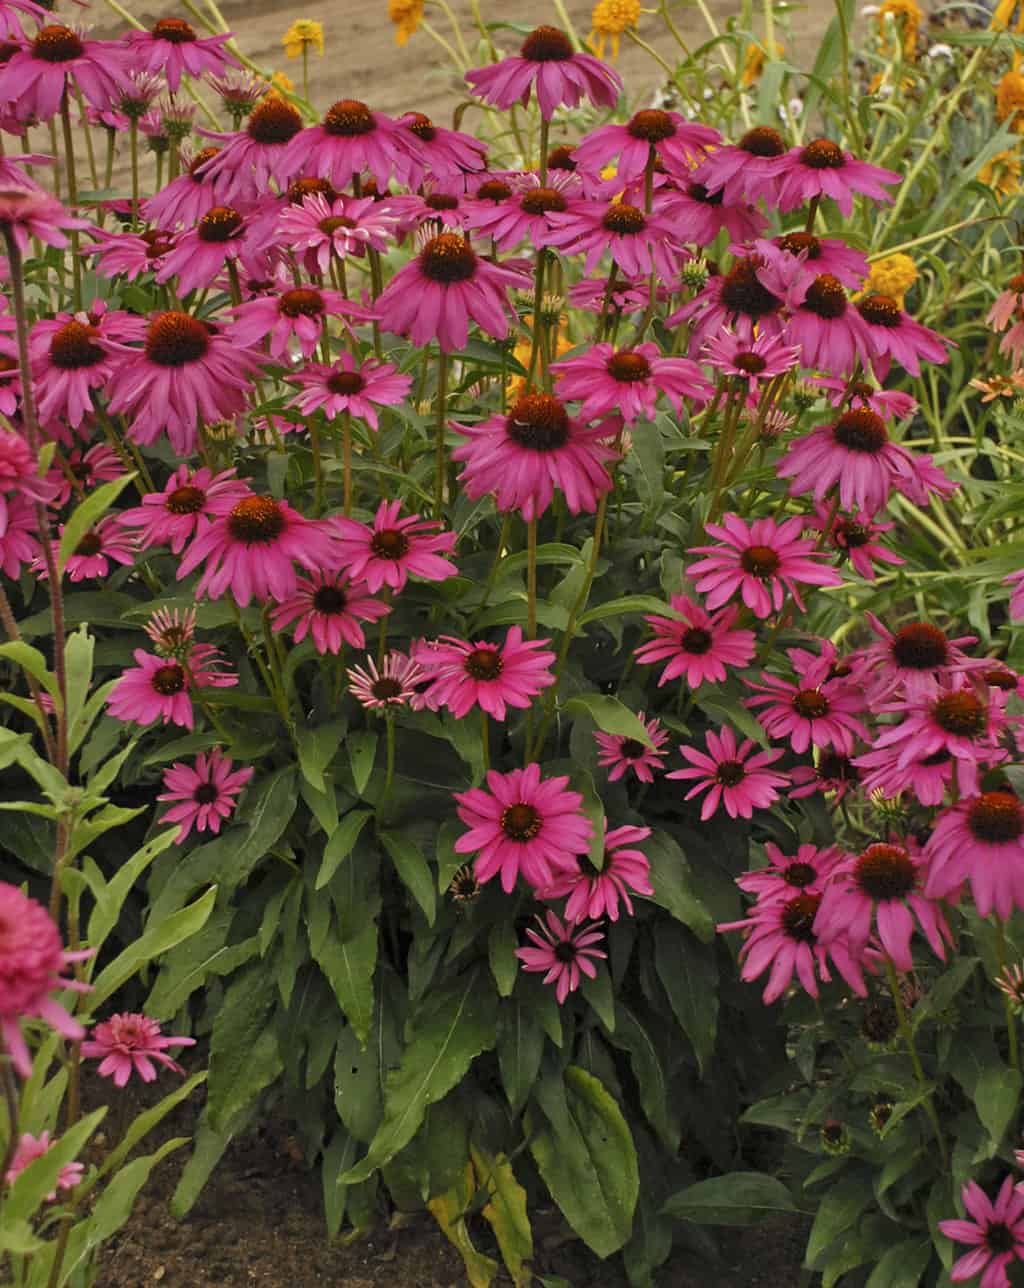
738, 1198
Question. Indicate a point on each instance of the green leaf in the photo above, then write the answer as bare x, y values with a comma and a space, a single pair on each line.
90, 511
501, 953
619, 607
349, 965
520, 1047
244, 1054
646, 1061
586, 1157
317, 748
997, 1098
839, 1209
610, 715
339, 1156
738, 1198
506, 1213
340, 844
78, 654
689, 975
443, 1044
269, 811
32, 661
601, 996
111, 896
902, 1266
671, 878
729, 711
362, 751
207, 1152
414, 871
146, 1121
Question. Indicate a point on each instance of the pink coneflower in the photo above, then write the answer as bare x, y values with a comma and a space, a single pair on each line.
914, 661
590, 294
780, 934
100, 464
32, 960
628, 381
350, 386
258, 156
702, 215
172, 631
464, 674
435, 295
621, 755
29, 1149
994, 1232
173, 48
890, 404
737, 299
595, 893
980, 840
744, 171
28, 213
823, 169
446, 154
855, 537
19, 471
206, 792
301, 312
1016, 581
883, 770
816, 710
638, 243
70, 358
677, 143
532, 213
548, 65
538, 446
157, 688
352, 140
185, 370
523, 826
787, 875
18, 534
394, 684
129, 1043
328, 607
895, 335
188, 501
188, 198
129, 255
238, 92
221, 237
1009, 305
733, 775
763, 562
563, 952
11, 15
821, 255
393, 549
955, 721
252, 551
104, 543
35, 78
831, 773
756, 360
880, 890
323, 229
698, 646
830, 333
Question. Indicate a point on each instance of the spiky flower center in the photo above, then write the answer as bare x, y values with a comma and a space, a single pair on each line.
752, 363
199, 160
631, 749
880, 310
157, 243
256, 521
885, 872
825, 297
205, 794
220, 224
696, 640
697, 192
811, 704
389, 543
823, 154
73, 347
539, 201
300, 189
561, 159
730, 773
547, 45
538, 422
624, 219
799, 875
484, 664
961, 714
422, 126
999, 1238
301, 302
175, 30
441, 201
175, 339
345, 383
90, 544
996, 818
763, 141
520, 822
186, 500
760, 561
329, 600
386, 689
57, 44
493, 190
332, 223
652, 125
920, 647
860, 430
628, 367
348, 118
741, 292
837, 768
799, 244
997, 678
850, 535
273, 121
447, 258
798, 917
169, 679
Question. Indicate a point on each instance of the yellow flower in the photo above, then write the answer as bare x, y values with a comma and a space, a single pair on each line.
302, 35
1002, 174
608, 21
1010, 101
753, 63
1002, 15
907, 15
278, 82
407, 16
893, 276
516, 386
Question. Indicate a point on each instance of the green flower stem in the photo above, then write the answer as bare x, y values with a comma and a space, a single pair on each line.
10, 625
485, 740
723, 452
133, 148
318, 468
915, 1060
535, 322
346, 462
90, 151
439, 459
72, 178
1011, 1019
531, 579
492, 576
389, 770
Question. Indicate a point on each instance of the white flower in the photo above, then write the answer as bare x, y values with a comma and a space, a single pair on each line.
940, 51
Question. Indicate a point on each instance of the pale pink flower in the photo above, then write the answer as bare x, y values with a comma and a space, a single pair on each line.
29, 1149
205, 792
129, 1043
